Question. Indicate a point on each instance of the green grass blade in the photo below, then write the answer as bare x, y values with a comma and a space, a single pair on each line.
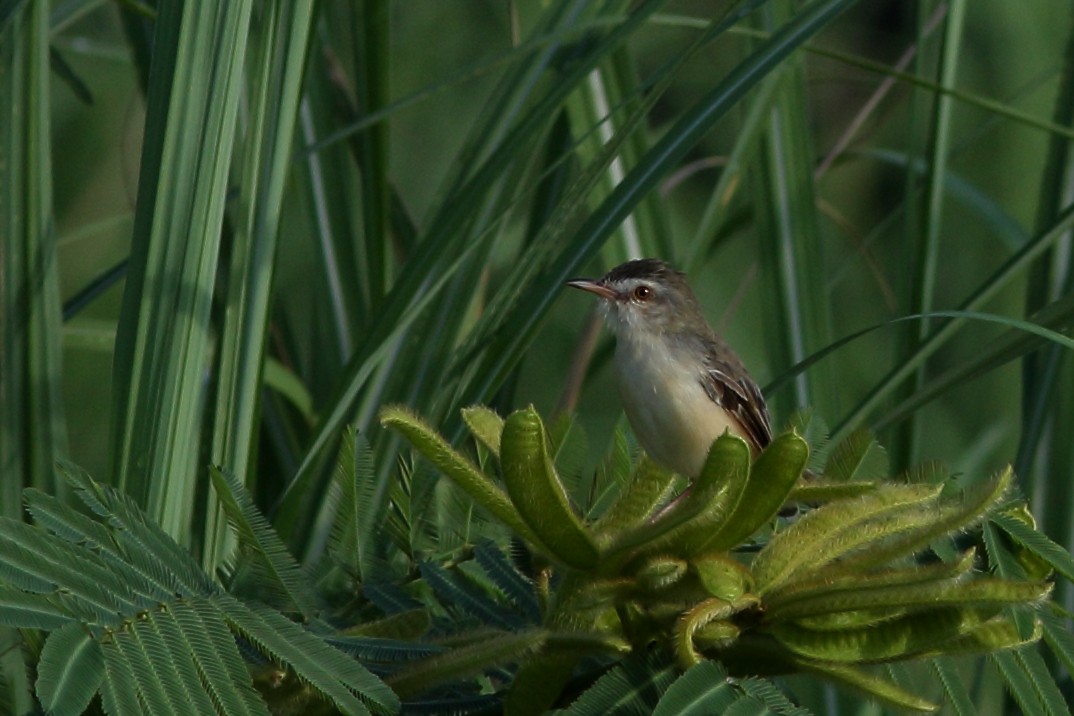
790, 248
277, 62
30, 407
371, 26
535, 301
985, 291
164, 337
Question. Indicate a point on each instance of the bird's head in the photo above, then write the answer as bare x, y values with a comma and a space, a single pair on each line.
643, 298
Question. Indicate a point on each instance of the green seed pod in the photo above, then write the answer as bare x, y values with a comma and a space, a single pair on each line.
660, 572
722, 576
537, 493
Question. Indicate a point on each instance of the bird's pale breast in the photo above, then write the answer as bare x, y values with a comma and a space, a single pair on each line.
672, 416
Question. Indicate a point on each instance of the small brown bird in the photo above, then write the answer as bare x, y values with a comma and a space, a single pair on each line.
681, 385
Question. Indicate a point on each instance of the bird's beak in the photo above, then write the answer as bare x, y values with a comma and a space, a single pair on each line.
592, 286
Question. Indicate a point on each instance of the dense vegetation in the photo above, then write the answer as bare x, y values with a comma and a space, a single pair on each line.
232, 233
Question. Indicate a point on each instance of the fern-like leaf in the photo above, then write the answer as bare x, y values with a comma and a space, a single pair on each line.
1025, 672
119, 695
633, 686
474, 658
205, 636
958, 697
702, 689
91, 588
151, 576
256, 533
328, 670
518, 589
1018, 682
453, 588
1038, 543
70, 671
1059, 637
139, 535
857, 458
31, 611
767, 693
384, 651
188, 680
352, 538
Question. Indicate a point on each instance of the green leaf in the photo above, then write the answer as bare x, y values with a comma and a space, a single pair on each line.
1038, 543
146, 544
275, 70
703, 689
947, 516
1046, 685
629, 687
982, 592
858, 457
539, 682
202, 633
465, 661
1058, 636
408, 625
22, 610
354, 528
31, 410
119, 693
452, 587
538, 494
518, 589
143, 668
871, 685
648, 487
281, 379
691, 516
1019, 683
957, 696
832, 530
771, 696
814, 430
256, 533
898, 638
485, 425
231, 689
92, 588
771, 479
817, 492
459, 469
164, 340
70, 671
338, 677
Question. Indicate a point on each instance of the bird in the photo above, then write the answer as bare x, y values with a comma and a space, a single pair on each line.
681, 385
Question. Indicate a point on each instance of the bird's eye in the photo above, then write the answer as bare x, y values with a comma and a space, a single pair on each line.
642, 293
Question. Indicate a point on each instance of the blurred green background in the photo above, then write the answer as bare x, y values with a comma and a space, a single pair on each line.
448, 55
272, 218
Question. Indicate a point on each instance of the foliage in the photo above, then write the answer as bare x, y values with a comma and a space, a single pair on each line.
833, 592
227, 230
132, 617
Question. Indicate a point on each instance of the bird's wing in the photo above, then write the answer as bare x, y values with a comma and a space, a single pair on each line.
728, 384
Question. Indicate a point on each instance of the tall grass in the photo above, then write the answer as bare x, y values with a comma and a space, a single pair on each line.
340, 205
